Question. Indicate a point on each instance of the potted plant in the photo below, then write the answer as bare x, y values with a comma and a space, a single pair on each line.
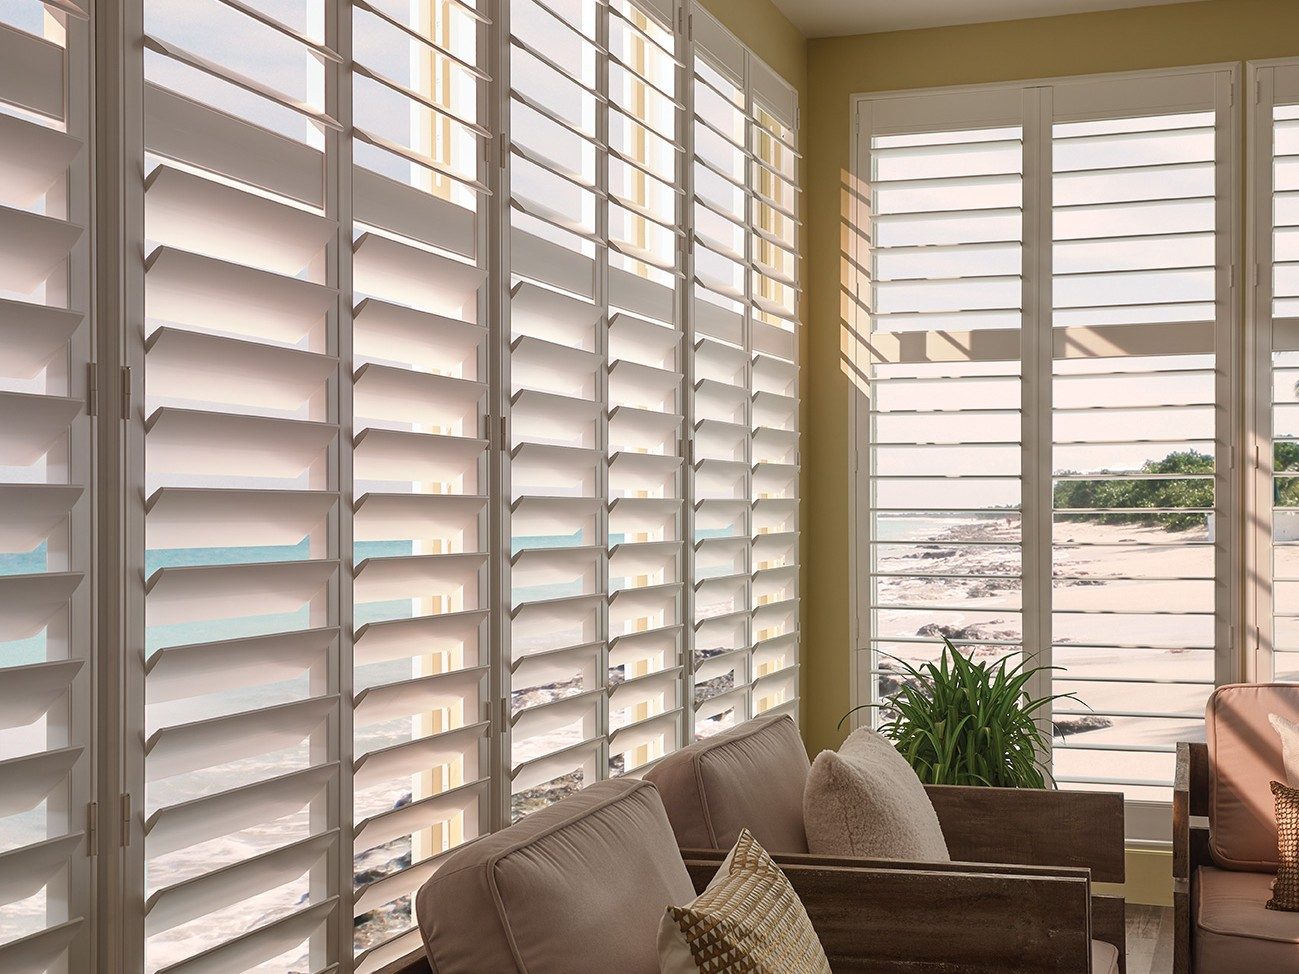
961, 722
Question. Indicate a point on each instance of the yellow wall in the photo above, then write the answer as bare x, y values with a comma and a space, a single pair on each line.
1124, 40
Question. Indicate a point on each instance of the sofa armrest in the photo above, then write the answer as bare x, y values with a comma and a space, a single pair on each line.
910, 917
1034, 827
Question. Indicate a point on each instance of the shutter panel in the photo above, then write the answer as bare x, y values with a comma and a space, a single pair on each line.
555, 469
241, 498
1275, 322
744, 303
595, 395
46, 550
774, 385
1141, 294
644, 421
944, 490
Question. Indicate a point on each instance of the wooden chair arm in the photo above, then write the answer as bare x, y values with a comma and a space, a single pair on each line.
914, 918
1034, 827
1190, 843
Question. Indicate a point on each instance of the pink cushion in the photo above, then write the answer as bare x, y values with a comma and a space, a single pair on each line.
1234, 931
750, 777
1244, 756
576, 888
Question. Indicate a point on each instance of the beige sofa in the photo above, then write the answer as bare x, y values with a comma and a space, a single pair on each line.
1222, 875
753, 777
580, 887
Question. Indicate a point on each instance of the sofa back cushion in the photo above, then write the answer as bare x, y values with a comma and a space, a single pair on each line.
1244, 758
750, 777
575, 888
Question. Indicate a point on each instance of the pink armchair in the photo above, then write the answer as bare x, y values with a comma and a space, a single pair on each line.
1222, 874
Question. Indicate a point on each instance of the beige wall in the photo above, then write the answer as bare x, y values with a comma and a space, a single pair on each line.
1152, 37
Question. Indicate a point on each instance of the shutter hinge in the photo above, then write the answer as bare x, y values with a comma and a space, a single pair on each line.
502, 442
126, 392
1231, 458
92, 829
92, 389
681, 19
690, 27
1231, 93
126, 821
1258, 90
504, 151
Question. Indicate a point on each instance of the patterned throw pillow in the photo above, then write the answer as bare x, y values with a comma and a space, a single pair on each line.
748, 921
1285, 892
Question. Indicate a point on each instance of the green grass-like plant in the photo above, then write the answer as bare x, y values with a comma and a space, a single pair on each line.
958, 722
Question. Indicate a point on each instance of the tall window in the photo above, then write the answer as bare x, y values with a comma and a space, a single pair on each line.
1045, 444
46, 493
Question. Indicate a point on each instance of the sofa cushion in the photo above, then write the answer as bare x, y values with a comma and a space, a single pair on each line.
749, 919
1234, 931
864, 800
1244, 758
750, 777
596, 870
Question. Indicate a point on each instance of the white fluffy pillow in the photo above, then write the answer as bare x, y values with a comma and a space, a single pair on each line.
866, 801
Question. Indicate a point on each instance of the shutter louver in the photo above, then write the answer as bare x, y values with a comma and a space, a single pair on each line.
46, 550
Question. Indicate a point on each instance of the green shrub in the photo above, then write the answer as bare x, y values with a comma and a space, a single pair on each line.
958, 722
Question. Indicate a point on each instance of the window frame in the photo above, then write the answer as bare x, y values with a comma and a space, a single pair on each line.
1160, 92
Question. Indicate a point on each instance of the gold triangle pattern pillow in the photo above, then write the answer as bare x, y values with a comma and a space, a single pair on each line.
748, 921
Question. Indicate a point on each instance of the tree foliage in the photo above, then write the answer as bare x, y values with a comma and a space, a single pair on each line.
1171, 502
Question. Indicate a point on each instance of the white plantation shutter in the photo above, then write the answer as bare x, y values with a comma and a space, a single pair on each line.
943, 496
419, 469
45, 490
1141, 315
743, 301
595, 404
1047, 404
315, 480
414, 352
1274, 309
242, 516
